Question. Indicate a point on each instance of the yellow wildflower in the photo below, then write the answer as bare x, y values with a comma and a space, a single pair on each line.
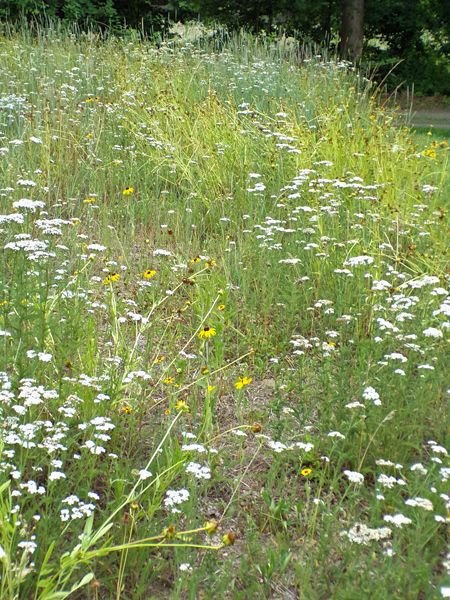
430, 152
182, 406
206, 332
111, 278
128, 191
149, 273
305, 472
242, 382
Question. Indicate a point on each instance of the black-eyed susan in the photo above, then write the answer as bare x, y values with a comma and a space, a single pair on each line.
211, 388
111, 278
221, 307
306, 472
149, 274
128, 191
169, 380
126, 409
242, 382
207, 332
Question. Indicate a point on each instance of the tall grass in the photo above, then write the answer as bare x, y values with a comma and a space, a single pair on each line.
224, 325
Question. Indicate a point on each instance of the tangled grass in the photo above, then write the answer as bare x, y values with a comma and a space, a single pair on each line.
224, 325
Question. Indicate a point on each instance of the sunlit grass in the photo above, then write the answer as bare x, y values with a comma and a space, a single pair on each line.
224, 321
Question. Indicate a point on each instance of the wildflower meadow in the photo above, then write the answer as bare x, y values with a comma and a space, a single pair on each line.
224, 326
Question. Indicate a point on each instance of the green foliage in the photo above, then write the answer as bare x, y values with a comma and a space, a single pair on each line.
406, 38
413, 37
290, 392
100, 11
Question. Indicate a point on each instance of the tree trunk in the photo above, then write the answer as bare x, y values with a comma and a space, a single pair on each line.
352, 30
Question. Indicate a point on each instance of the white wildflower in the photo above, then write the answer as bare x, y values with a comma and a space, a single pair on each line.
336, 434
194, 448
419, 468
371, 394
420, 503
26, 204
433, 332
361, 534
354, 477
358, 260
56, 475
277, 446
174, 497
398, 520
199, 471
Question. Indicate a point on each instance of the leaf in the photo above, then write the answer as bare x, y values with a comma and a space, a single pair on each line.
4, 486
66, 593
101, 532
86, 579
46, 569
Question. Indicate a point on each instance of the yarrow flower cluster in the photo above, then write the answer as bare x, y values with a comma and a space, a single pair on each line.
199, 471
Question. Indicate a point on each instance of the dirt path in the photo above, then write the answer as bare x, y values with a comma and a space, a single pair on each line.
421, 111
439, 118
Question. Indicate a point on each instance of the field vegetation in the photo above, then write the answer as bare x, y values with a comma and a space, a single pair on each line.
224, 320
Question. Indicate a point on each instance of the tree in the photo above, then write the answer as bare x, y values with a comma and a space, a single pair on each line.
352, 30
